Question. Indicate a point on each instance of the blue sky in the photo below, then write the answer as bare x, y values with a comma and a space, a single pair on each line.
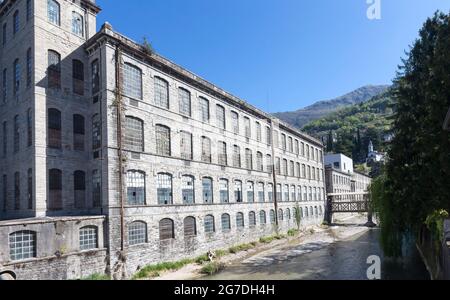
279, 55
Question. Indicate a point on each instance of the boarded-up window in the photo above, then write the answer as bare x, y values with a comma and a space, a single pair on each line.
54, 128
79, 187
54, 70
166, 229
78, 133
55, 189
78, 77
190, 227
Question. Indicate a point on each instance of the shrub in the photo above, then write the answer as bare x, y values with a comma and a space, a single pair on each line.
212, 268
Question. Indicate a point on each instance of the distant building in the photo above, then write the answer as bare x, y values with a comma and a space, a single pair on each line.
374, 156
340, 177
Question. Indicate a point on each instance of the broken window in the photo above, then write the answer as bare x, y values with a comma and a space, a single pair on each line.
223, 190
206, 149
54, 70
161, 93
164, 188
186, 145
187, 189
134, 134
163, 140
77, 24
207, 185
184, 99
53, 12
222, 153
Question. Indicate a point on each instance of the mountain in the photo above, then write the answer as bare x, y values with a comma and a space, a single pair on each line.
322, 108
352, 128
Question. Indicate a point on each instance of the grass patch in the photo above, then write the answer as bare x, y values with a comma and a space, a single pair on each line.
280, 236
201, 259
212, 268
97, 277
266, 240
152, 271
293, 232
221, 253
243, 247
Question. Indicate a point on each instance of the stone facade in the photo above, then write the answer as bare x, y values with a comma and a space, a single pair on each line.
93, 186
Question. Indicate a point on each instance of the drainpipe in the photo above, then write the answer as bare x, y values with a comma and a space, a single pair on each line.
274, 175
118, 57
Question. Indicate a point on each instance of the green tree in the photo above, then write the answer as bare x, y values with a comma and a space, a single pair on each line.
417, 179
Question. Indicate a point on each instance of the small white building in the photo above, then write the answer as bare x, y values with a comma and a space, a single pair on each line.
374, 156
339, 162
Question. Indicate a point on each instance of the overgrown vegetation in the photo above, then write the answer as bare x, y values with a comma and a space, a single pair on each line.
151, 271
414, 189
293, 232
212, 268
242, 247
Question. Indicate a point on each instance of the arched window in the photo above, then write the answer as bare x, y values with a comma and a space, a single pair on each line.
5, 85
22, 245
311, 211
299, 193
226, 224
270, 192
269, 164
29, 10
238, 191
53, 11
95, 74
220, 116
184, 102
258, 132
186, 145
55, 189
260, 191
248, 159
286, 192
17, 76
190, 227
132, 81
306, 212
305, 193
250, 192
279, 193
288, 214
17, 191
204, 109
262, 217
134, 134
207, 185
272, 216
78, 132
16, 22
30, 188
236, 156
280, 214
77, 24
88, 238
235, 122
316, 210
77, 77
187, 189
293, 194
223, 190
240, 220
29, 127
161, 93
137, 233
247, 127
79, 187
164, 188
206, 149
96, 132
259, 161
252, 219
163, 140
209, 224
166, 229
222, 153
96, 188
135, 187
54, 70
16, 133
301, 212
285, 167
